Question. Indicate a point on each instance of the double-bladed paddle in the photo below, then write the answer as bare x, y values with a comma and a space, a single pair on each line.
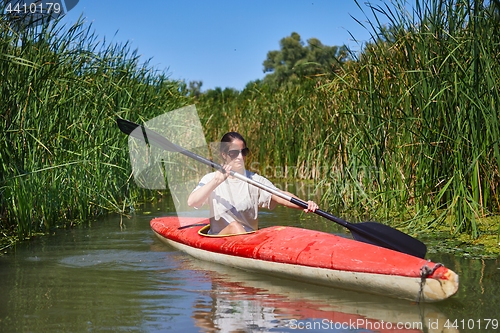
367, 232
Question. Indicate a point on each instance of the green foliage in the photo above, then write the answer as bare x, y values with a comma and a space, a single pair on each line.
426, 93
62, 158
408, 132
295, 60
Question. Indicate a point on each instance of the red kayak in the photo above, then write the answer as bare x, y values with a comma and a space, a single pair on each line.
315, 257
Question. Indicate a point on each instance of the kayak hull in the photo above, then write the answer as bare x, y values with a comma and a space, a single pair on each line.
314, 257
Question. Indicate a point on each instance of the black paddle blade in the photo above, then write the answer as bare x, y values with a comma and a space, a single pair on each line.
150, 136
126, 126
375, 233
385, 236
147, 135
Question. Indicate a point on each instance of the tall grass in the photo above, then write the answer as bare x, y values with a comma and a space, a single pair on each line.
428, 94
62, 157
408, 131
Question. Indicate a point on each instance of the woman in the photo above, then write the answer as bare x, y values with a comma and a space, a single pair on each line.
234, 204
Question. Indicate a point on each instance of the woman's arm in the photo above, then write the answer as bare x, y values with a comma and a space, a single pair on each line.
199, 196
311, 205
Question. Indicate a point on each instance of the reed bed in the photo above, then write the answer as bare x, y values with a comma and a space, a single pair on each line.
63, 160
407, 131
427, 93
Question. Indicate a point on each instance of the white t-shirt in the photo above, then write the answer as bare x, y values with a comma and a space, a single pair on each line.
236, 200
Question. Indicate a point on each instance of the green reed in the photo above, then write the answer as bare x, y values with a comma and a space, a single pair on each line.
431, 83
406, 132
62, 157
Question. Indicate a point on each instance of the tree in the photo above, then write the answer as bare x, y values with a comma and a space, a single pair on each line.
220, 96
195, 88
295, 60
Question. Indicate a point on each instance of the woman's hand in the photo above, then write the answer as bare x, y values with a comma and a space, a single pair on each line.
220, 177
198, 197
311, 206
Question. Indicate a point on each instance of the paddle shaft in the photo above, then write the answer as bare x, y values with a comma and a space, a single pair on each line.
145, 133
368, 232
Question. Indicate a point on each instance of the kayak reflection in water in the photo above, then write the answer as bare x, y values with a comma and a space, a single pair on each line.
234, 204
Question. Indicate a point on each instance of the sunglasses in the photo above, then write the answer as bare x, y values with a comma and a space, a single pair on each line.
236, 152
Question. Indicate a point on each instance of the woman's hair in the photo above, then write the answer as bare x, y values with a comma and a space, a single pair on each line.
230, 137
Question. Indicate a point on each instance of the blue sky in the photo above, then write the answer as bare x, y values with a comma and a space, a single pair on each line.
222, 43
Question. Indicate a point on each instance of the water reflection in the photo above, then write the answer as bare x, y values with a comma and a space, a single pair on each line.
113, 277
241, 301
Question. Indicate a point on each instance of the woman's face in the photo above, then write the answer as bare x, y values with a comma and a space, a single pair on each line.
234, 155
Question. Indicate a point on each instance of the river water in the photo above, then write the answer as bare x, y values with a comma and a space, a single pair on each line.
116, 276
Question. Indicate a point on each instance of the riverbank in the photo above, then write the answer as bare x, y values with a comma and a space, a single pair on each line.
486, 246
